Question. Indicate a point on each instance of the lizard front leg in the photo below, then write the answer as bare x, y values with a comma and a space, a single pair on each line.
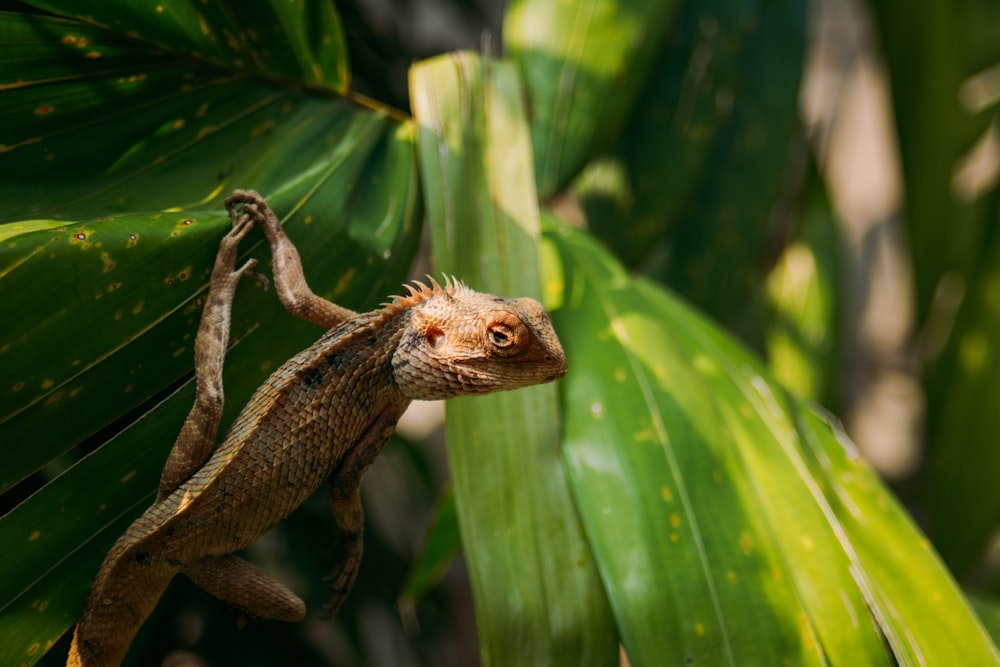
130, 581
196, 440
290, 282
345, 503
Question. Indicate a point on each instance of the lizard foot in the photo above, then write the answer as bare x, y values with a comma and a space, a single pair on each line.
242, 224
244, 204
341, 583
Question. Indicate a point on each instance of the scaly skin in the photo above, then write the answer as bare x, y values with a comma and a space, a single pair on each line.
325, 413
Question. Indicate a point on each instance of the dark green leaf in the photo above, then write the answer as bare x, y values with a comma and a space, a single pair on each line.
119, 152
708, 154
583, 64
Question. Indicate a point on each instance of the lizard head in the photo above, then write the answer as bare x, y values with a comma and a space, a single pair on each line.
460, 342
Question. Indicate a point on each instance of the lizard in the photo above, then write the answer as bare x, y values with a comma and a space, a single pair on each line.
323, 414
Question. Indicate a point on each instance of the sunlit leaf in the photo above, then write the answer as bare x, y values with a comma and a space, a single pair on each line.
537, 594
731, 525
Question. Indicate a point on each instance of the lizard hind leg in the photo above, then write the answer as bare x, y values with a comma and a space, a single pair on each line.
246, 587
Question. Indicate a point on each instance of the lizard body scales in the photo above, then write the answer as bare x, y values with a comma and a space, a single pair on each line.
324, 414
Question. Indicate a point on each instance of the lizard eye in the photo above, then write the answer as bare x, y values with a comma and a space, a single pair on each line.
506, 334
500, 336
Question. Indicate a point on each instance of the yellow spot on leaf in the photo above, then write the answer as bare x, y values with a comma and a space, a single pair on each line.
114, 286
746, 543
675, 520
620, 374
68, 39
974, 351
667, 495
731, 577
35, 534
129, 475
18, 386
308, 219
137, 308
260, 129
93, 54
705, 365
345, 279
699, 629
43, 606
179, 351
808, 543
47, 383
179, 123
646, 435
44, 110
54, 398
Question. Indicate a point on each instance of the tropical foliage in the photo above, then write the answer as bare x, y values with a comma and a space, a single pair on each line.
637, 165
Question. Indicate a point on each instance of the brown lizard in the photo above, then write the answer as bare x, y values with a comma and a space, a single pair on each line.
324, 414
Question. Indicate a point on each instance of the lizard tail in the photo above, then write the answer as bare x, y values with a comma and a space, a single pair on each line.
127, 589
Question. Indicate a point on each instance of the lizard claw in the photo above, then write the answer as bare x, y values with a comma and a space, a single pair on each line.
247, 271
342, 581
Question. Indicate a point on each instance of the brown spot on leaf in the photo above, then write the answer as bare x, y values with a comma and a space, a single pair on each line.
45, 109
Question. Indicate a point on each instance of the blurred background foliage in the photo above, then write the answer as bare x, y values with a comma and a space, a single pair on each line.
820, 179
